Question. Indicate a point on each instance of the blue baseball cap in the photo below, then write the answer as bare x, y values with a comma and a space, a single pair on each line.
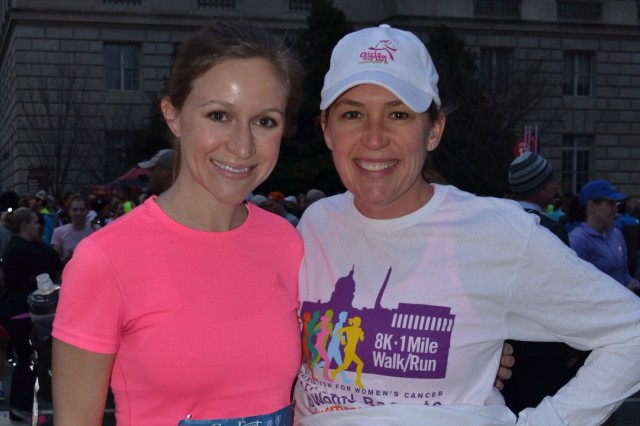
600, 189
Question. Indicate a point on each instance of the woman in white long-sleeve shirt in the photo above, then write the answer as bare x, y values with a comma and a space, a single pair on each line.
427, 280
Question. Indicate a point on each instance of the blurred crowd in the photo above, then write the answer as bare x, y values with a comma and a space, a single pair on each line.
568, 212
91, 212
290, 207
565, 210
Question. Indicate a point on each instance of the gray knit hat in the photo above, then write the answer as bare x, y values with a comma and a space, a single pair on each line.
528, 174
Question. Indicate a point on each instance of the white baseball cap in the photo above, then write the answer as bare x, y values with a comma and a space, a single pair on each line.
394, 59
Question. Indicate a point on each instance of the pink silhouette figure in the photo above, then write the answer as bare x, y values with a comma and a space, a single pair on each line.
323, 329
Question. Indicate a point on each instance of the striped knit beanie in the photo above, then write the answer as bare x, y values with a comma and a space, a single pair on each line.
528, 174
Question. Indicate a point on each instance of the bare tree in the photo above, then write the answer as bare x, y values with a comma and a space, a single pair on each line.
105, 158
478, 142
57, 118
521, 94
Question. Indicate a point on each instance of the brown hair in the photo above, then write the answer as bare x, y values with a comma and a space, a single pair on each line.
78, 197
428, 172
234, 40
14, 219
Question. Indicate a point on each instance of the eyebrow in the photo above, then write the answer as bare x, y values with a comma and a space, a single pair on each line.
213, 103
272, 110
352, 102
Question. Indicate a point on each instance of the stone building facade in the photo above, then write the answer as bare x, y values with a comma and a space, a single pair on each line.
77, 76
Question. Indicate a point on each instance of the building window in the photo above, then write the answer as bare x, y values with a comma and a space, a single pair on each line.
217, 4
576, 160
577, 74
122, 66
300, 6
497, 7
495, 69
4, 7
580, 10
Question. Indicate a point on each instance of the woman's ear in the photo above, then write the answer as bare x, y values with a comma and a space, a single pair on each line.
324, 116
170, 115
437, 129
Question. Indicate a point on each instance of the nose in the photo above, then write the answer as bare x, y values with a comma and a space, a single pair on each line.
242, 143
375, 135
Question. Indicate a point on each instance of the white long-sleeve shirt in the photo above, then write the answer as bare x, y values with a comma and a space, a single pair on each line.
423, 304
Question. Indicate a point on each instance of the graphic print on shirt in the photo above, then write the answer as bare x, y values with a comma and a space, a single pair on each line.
410, 341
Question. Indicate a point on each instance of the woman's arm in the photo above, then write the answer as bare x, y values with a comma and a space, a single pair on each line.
559, 297
80, 384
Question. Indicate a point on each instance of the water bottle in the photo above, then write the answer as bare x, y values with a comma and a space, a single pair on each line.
42, 305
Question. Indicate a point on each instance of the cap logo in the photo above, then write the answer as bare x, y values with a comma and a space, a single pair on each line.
379, 53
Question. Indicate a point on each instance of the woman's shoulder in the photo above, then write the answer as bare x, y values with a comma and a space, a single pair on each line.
335, 204
580, 231
488, 206
582, 239
315, 216
271, 223
127, 232
17, 244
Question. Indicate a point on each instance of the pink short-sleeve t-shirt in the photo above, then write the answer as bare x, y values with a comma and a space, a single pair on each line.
202, 323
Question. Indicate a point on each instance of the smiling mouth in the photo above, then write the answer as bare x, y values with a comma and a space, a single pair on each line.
376, 166
231, 169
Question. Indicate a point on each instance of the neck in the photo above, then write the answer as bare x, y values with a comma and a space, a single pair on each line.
24, 235
79, 225
201, 212
418, 196
597, 225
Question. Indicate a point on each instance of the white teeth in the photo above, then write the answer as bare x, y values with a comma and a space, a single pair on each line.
228, 168
375, 166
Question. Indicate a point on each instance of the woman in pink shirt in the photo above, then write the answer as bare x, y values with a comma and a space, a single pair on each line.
187, 306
